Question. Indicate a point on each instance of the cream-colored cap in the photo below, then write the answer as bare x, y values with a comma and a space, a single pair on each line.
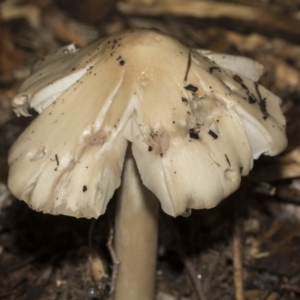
194, 125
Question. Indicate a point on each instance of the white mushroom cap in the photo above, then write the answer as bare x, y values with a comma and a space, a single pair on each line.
239, 64
195, 127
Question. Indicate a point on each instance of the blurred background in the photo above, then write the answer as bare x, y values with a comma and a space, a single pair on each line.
247, 247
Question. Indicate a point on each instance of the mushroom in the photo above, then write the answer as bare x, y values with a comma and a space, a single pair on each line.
194, 126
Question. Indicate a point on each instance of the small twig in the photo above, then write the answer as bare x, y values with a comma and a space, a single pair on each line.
194, 276
23, 263
96, 267
211, 9
237, 263
27, 260
289, 287
188, 263
95, 263
188, 67
115, 260
90, 235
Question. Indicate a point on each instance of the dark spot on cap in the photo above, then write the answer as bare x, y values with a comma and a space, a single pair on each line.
245, 87
252, 99
194, 134
122, 62
185, 100
84, 188
263, 107
213, 134
191, 88
188, 67
262, 102
228, 161
56, 158
150, 148
237, 78
211, 69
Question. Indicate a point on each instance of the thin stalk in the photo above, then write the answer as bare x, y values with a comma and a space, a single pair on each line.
135, 241
238, 262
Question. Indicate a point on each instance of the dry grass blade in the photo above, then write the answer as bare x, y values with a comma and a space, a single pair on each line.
238, 263
209, 9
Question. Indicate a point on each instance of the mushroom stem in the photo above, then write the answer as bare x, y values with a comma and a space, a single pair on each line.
135, 241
